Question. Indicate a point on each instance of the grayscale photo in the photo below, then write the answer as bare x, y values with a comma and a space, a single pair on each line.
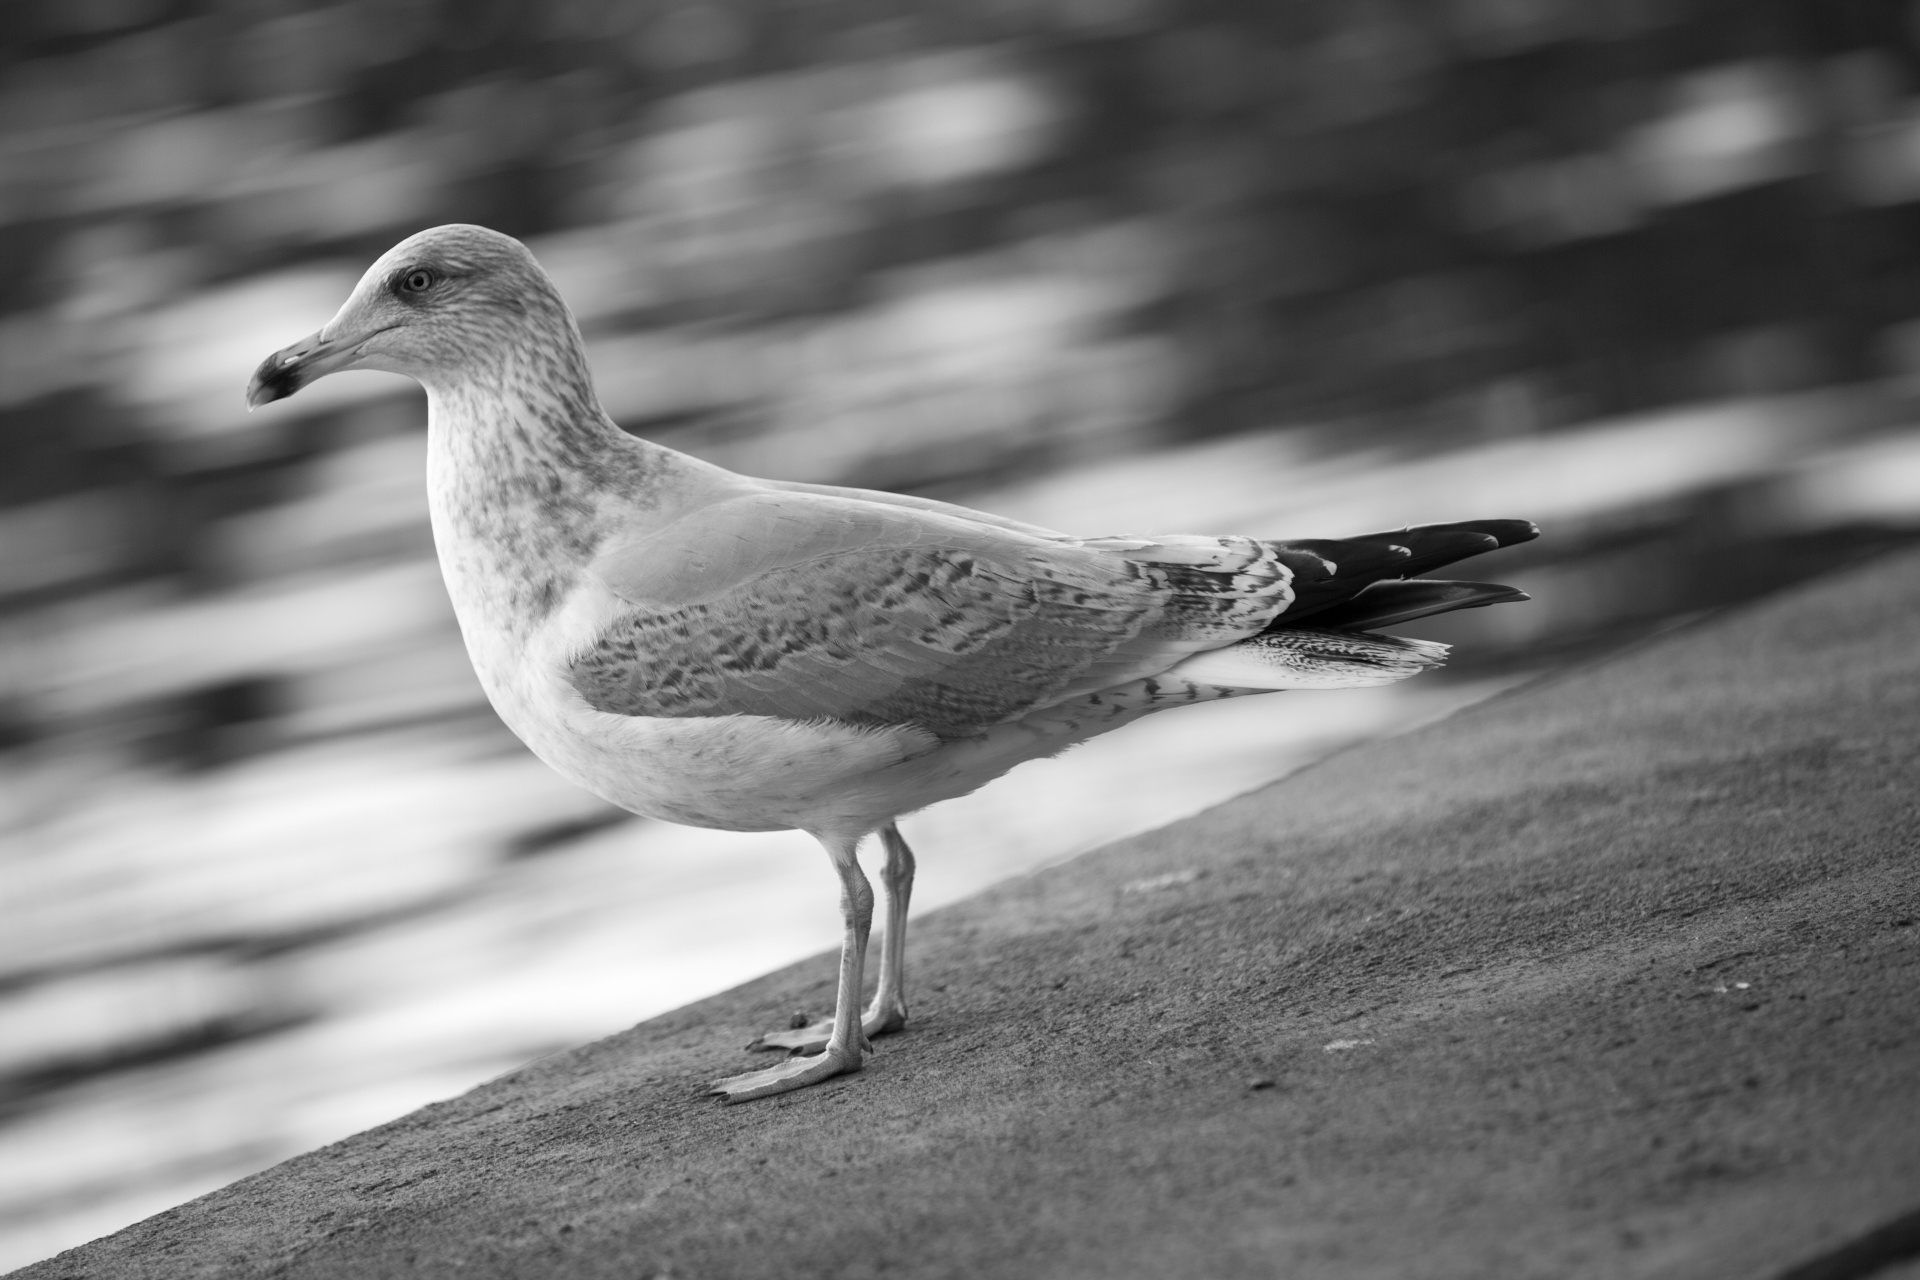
1123, 639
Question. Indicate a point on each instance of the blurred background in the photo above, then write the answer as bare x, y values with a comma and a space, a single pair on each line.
1645, 271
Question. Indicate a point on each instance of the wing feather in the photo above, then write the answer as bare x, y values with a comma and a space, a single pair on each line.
805, 605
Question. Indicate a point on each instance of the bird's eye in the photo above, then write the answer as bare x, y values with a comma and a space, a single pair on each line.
418, 280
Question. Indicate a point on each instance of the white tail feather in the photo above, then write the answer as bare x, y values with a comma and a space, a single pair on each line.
1302, 658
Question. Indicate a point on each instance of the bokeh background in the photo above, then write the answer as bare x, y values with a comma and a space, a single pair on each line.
1646, 271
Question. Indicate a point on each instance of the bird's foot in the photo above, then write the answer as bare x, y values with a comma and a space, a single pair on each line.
794, 1073
812, 1037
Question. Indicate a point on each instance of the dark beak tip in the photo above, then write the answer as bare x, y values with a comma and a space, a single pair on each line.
259, 393
275, 379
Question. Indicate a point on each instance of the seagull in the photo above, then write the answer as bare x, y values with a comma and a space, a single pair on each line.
756, 655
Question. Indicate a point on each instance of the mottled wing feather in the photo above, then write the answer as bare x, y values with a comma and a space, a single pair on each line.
805, 606
934, 637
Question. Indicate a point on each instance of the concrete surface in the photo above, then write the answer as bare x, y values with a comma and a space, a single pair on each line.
1617, 975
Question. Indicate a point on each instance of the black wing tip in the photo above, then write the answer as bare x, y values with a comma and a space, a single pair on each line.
1461, 543
1303, 562
1483, 592
1509, 532
1510, 596
1504, 533
1386, 604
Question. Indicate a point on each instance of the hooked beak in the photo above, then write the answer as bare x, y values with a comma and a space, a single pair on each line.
291, 368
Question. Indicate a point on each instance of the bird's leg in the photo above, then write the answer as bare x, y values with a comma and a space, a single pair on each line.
888, 1012
846, 1046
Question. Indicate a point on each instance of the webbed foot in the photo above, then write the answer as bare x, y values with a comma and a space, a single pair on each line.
794, 1073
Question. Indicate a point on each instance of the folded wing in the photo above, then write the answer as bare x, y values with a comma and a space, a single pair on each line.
815, 603
805, 606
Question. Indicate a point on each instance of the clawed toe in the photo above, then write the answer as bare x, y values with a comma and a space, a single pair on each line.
811, 1038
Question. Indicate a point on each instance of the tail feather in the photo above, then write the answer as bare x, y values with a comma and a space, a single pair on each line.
1310, 658
1345, 586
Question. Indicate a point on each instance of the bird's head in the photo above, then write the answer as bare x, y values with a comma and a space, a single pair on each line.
446, 303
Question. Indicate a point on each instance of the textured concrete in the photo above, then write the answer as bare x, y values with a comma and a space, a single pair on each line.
1618, 975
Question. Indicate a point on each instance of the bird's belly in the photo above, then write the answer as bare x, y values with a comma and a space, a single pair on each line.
737, 773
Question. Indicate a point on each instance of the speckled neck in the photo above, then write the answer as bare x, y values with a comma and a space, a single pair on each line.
522, 463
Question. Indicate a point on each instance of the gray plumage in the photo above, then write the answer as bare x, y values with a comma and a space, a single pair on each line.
719, 650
